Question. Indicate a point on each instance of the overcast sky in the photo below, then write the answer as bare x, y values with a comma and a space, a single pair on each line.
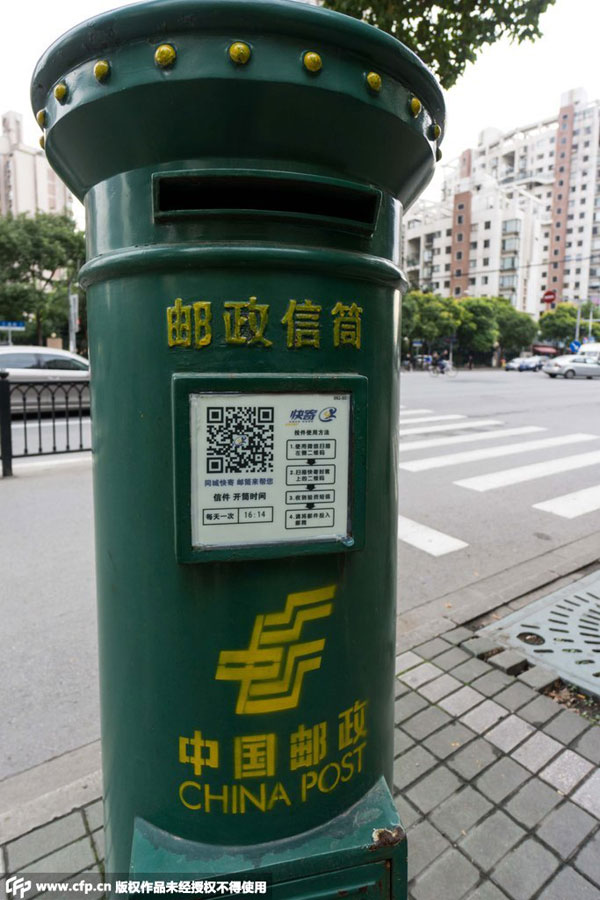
508, 86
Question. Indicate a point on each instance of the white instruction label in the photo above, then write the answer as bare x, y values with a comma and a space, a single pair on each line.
269, 468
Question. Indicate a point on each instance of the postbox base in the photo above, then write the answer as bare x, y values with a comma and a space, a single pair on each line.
361, 853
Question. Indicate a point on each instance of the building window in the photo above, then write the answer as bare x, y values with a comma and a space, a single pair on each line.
459, 220
448, 232
458, 272
457, 292
487, 225
459, 236
459, 254
486, 261
461, 205
486, 244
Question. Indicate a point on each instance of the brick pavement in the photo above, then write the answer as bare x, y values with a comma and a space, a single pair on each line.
497, 785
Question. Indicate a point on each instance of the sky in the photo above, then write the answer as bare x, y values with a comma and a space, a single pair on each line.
508, 86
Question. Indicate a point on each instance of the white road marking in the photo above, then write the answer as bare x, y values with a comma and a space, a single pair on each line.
431, 419
413, 412
436, 543
429, 429
569, 506
46, 462
469, 438
529, 473
454, 459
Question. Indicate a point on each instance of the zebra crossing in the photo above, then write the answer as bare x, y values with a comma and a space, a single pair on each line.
479, 440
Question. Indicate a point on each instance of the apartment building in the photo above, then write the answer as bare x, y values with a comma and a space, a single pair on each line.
27, 183
519, 214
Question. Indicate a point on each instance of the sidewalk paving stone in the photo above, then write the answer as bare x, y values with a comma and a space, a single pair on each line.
98, 838
73, 858
566, 771
441, 687
510, 661
588, 795
94, 815
588, 860
402, 742
533, 802
433, 789
538, 677
474, 758
537, 751
589, 745
501, 779
510, 732
525, 869
568, 885
45, 840
515, 696
407, 661
484, 716
409, 816
448, 740
412, 765
400, 688
471, 669
566, 726
479, 646
457, 635
566, 828
407, 706
487, 891
426, 722
426, 844
456, 816
432, 648
461, 701
452, 658
540, 710
420, 674
449, 877
491, 840
493, 682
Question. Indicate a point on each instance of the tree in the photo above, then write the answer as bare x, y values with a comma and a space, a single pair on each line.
516, 330
39, 255
559, 324
448, 34
478, 332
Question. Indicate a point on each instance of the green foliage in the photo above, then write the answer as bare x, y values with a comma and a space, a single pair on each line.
480, 324
38, 257
448, 34
516, 329
560, 324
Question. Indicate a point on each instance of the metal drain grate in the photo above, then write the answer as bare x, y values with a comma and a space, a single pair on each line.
561, 631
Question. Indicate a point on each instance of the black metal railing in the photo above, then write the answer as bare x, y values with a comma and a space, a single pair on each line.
38, 418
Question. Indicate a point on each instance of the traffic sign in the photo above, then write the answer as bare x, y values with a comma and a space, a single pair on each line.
549, 297
13, 326
417, 343
574, 346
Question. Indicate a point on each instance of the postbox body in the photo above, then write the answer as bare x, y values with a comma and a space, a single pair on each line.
244, 308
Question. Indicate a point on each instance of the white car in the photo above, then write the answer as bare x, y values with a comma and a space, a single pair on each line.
37, 376
578, 365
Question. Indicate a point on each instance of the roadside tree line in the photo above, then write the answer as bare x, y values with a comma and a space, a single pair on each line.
478, 327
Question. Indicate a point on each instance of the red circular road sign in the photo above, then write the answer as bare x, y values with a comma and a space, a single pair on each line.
549, 297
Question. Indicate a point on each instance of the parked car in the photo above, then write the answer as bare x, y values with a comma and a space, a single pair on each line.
47, 368
514, 365
578, 365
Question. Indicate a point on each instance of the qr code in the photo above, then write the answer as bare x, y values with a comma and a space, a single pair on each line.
239, 439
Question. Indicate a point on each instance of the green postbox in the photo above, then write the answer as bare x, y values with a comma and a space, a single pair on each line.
243, 167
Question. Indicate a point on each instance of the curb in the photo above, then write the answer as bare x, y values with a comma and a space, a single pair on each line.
49, 791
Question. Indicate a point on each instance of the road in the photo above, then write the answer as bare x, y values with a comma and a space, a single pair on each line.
490, 480
454, 531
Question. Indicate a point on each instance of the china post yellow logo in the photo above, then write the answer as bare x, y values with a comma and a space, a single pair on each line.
271, 670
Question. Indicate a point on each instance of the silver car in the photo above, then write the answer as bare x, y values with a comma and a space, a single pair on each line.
578, 365
37, 375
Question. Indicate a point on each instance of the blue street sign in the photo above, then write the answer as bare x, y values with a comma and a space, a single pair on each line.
14, 326
417, 343
574, 346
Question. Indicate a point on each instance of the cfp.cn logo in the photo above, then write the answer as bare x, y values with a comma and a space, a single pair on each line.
17, 887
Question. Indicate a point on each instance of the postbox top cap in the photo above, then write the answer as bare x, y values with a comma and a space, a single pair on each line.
157, 18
